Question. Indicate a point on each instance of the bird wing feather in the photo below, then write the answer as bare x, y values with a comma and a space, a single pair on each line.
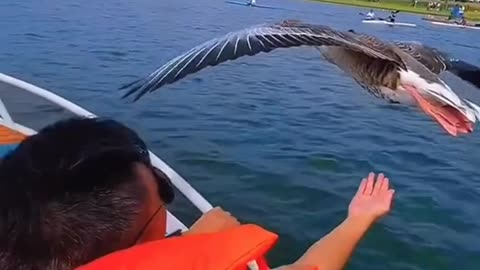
254, 40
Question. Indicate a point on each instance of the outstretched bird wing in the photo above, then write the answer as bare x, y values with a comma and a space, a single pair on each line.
251, 41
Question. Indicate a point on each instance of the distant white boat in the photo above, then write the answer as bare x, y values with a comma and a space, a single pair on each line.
389, 23
455, 25
250, 5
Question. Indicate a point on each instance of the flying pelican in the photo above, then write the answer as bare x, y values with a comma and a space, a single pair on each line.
400, 72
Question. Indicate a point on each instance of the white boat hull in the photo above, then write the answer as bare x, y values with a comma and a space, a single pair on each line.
246, 4
455, 25
389, 23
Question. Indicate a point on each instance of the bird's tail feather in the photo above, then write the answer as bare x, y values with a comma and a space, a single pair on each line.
125, 86
134, 86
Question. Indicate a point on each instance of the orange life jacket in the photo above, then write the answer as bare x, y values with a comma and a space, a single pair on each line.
227, 250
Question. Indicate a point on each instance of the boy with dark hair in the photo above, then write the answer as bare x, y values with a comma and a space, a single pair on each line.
73, 192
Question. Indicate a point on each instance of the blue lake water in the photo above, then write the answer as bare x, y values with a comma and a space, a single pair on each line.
279, 139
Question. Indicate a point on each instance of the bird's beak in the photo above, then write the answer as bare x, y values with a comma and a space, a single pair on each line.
451, 119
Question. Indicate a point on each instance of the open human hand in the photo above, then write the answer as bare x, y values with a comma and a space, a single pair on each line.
215, 220
373, 199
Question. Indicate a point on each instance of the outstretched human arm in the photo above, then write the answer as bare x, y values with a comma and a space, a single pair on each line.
372, 201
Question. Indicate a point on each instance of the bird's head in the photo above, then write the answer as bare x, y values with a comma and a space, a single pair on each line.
441, 103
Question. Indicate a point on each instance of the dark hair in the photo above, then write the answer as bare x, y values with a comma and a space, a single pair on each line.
64, 201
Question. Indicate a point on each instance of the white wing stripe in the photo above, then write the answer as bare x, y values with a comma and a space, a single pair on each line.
255, 32
174, 67
221, 50
248, 43
189, 61
168, 65
205, 56
236, 46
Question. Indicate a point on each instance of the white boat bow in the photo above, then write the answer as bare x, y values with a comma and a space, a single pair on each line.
389, 23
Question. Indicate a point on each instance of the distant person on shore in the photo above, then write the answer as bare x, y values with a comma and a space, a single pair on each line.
393, 14
461, 11
455, 13
252, 3
458, 15
370, 15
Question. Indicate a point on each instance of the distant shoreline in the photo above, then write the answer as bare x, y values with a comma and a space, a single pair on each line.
403, 6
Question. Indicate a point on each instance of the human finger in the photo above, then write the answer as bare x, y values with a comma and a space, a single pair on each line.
361, 187
231, 222
390, 196
215, 209
378, 184
386, 185
369, 186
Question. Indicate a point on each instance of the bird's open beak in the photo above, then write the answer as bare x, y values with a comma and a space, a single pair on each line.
451, 119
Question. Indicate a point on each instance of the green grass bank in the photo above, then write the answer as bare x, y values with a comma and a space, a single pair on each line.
472, 10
